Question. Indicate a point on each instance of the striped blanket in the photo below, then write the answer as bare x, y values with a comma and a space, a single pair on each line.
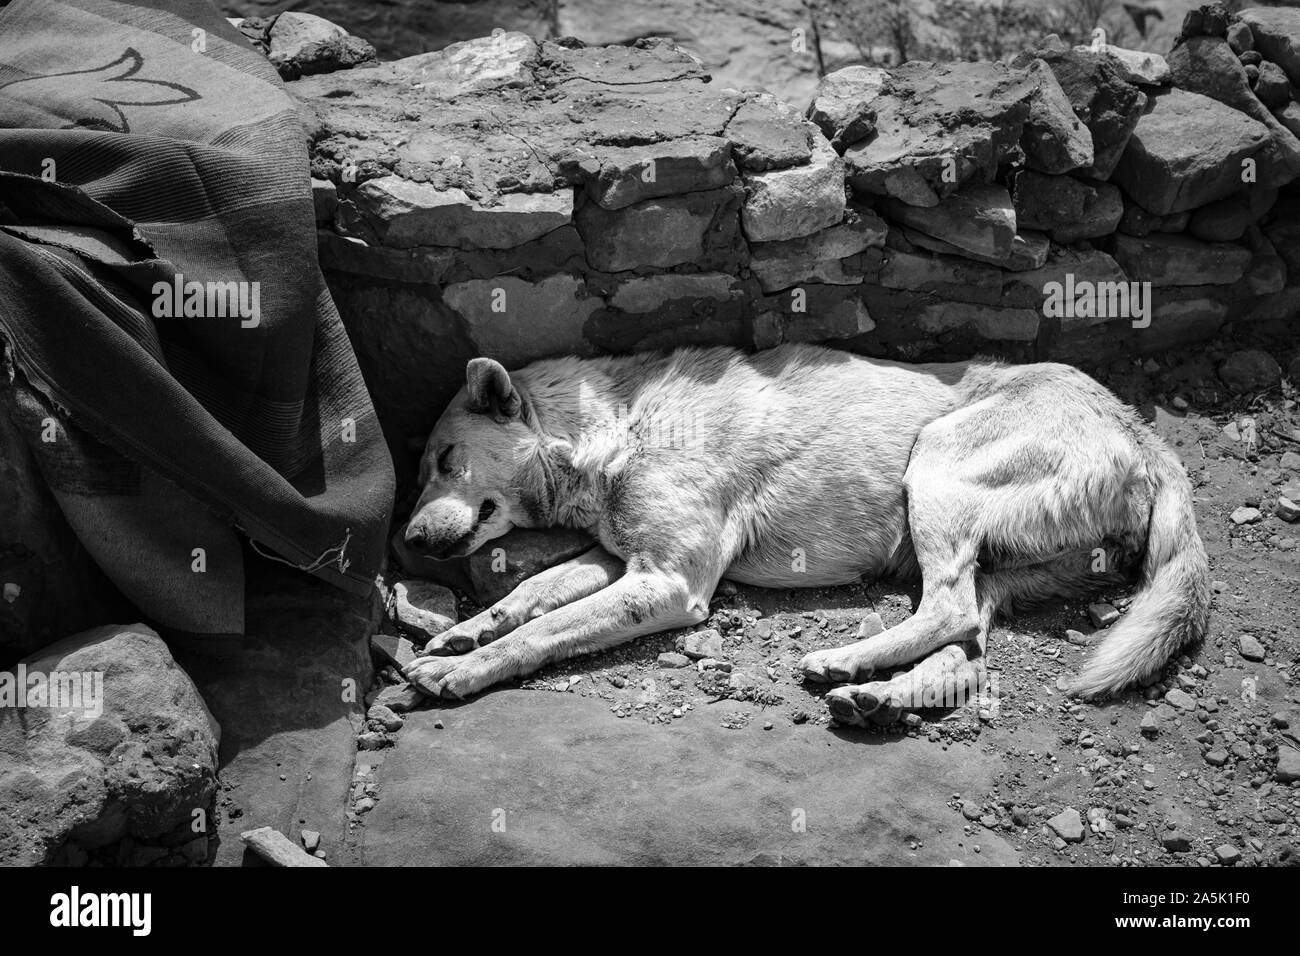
182, 374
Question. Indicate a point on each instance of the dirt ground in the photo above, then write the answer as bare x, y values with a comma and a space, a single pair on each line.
618, 758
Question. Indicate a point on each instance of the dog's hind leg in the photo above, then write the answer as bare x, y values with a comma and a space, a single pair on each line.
555, 587
956, 673
946, 551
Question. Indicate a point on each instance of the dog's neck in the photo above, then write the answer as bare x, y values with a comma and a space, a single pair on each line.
584, 441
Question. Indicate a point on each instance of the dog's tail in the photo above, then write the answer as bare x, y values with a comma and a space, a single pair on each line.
1173, 607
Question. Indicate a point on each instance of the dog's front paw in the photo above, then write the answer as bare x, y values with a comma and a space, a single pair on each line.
454, 677
463, 637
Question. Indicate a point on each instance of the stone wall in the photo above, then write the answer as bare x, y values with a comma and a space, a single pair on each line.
522, 199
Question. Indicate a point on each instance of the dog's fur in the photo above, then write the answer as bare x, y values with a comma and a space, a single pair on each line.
805, 467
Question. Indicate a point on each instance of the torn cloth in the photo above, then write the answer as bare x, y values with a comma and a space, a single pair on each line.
186, 372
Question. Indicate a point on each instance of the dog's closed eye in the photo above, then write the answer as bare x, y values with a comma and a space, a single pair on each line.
443, 467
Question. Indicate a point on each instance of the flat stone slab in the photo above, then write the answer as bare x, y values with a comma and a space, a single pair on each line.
519, 777
938, 126
1165, 260
484, 120
979, 219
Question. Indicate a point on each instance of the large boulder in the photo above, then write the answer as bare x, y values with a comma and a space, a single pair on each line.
1055, 140
109, 739
302, 43
1106, 103
1206, 64
1189, 150
939, 126
843, 108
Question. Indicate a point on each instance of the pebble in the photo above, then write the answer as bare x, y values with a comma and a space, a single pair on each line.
1246, 516
1068, 825
371, 740
1078, 637
1287, 509
871, 625
1217, 757
1102, 615
703, 644
385, 717
1175, 841
970, 810
1250, 648
1150, 725
673, 660
399, 698
1219, 586
1228, 855
1181, 699
364, 805
310, 840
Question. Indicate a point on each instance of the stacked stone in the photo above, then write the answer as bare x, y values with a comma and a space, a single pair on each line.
1136, 180
523, 199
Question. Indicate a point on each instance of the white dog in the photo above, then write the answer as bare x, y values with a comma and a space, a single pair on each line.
806, 467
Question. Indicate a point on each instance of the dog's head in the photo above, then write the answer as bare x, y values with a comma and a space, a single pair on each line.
482, 472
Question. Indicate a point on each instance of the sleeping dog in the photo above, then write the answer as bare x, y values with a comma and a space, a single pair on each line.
807, 467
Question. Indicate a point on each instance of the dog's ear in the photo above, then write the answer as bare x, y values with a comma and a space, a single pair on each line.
490, 390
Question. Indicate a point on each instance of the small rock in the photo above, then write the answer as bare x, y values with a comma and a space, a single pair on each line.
1250, 370
673, 660
1228, 855
971, 810
1181, 699
364, 805
1068, 825
1287, 509
371, 740
1250, 648
1288, 765
310, 840
1246, 516
423, 608
399, 698
704, 644
1102, 615
276, 848
385, 717
1175, 841
1150, 725
871, 626
1217, 757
